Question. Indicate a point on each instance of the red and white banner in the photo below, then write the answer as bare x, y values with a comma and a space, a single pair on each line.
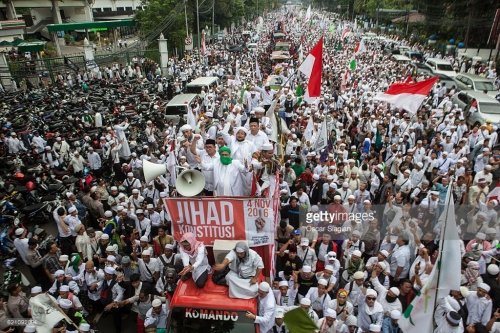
211, 218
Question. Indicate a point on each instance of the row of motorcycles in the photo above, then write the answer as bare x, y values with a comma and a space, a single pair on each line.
29, 191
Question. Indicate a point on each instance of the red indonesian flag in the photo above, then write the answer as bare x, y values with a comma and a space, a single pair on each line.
312, 68
345, 32
409, 79
408, 96
360, 48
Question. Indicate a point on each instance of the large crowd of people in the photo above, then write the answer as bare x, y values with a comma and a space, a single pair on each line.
115, 254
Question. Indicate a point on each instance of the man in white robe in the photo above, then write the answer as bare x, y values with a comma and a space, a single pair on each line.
122, 139
229, 174
245, 266
267, 308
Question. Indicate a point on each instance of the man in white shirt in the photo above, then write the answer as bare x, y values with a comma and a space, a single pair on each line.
156, 317
148, 267
319, 297
21, 244
400, 260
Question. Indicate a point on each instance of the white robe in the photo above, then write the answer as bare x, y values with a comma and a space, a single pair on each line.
267, 308
228, 179
238, 278
120, 134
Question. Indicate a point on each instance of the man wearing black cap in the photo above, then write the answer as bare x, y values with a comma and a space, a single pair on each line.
207, 155
258, 137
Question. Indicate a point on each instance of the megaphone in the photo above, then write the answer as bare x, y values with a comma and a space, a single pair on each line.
152, 170
190, 183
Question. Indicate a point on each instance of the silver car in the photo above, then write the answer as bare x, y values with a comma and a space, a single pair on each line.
477, 83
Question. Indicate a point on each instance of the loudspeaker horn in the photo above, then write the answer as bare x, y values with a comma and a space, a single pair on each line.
152, 170
190, 183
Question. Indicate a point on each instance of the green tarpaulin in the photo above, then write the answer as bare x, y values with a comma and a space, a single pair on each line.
90, 25
31, 46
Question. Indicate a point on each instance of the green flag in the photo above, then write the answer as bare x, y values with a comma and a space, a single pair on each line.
297, 321
299, 92
338, 47
331, 29
353, 64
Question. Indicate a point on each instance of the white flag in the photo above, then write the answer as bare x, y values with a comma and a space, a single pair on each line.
308, 132
258, 74
445, 276
172, 165
274, 123
191, 119
322, 140
450, 260
308, 13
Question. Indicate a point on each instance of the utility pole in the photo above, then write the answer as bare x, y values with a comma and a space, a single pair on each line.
213, 21
198, 25
186, 16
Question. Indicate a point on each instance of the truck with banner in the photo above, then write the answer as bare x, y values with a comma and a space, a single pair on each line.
209, 310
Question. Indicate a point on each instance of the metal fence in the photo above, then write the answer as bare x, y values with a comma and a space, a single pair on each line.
51, 67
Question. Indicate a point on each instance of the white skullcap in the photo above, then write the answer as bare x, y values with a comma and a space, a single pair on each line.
19, 231
65, 303
375, 328
105, 236
330, 313
146, 253
395, 291
63, 257
484, 286
59, 272
264, 286
358, 275
108, 213
64, 288
329, 268
493, 269
110, 248
283, 284
323, 282
371, 292
306, 269
84, 327
111, 258
356, 253
72, 209
169, 246
351, 321
144, 239
242, 129
305, 301
109, 270
156, 303
36, 290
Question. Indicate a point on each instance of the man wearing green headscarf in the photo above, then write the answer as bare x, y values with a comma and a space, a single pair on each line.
228, 174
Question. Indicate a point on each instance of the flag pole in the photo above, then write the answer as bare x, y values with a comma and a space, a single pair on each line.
442, 240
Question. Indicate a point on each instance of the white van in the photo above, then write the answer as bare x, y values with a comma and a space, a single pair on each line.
401, 59
177, 108
440, 66
195, 86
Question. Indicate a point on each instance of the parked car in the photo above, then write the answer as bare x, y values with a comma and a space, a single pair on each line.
477, 83
478, 108
440, 66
